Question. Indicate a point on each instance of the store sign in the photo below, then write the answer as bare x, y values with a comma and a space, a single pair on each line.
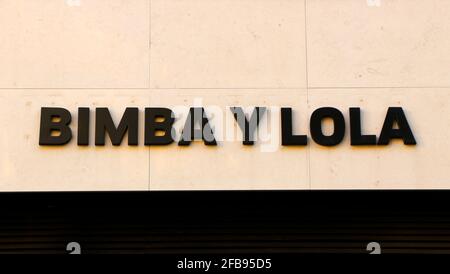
56, 128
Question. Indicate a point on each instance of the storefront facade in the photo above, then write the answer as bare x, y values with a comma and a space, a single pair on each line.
181, 54
354, 95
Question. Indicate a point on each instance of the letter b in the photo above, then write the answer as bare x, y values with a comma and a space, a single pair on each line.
55, 120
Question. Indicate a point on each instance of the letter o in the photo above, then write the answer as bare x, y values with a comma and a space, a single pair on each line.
316, 126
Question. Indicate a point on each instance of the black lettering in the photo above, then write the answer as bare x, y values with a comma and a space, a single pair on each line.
55, 120
197, 115
287, 138
83, 127
248, 128
404, 132
356, 137
316, 126
152, 126
104, 123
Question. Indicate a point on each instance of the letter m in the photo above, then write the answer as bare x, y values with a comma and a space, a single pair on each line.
105, 124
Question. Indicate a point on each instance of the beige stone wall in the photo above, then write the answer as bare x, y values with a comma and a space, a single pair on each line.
299, 53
